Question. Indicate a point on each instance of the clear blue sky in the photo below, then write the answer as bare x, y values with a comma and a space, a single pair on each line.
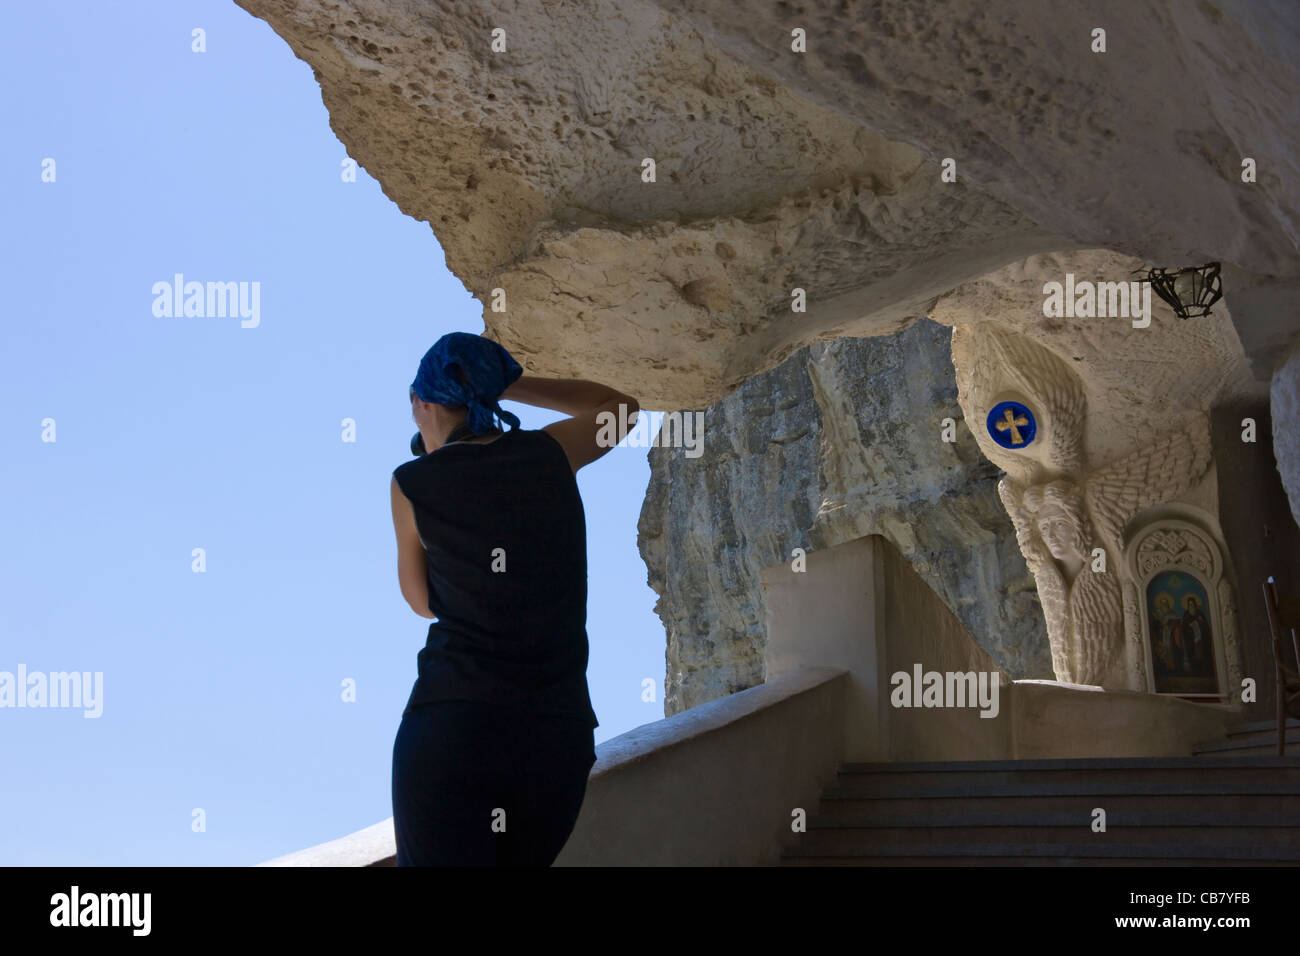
222, 690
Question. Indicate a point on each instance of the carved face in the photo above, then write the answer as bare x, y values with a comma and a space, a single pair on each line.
1059, 534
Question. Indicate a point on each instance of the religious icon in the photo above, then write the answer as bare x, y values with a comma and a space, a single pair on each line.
1196, 631
1182, 641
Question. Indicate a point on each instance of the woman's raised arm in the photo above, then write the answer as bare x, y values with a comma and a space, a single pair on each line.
601, 416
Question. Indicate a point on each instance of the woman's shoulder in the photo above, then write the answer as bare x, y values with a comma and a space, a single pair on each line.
554, 443
403, 472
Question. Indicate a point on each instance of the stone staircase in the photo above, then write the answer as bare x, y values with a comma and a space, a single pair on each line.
1218, 809
1259, 738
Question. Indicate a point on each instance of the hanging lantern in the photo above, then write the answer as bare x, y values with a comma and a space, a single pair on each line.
1190, 292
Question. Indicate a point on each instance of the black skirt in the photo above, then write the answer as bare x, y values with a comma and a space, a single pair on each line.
483, 784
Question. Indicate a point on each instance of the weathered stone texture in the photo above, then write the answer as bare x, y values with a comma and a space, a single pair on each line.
1285, 396
841, 440
777, 169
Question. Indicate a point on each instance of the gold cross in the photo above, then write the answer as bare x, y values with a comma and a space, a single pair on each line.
1009, 423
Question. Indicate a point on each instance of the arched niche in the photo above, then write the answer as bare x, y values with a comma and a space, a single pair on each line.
1180, 612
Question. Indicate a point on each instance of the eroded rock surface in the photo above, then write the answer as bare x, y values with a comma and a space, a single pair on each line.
819, 170
1285, 396
841, 440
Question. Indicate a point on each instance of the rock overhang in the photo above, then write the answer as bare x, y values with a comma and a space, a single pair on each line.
819, 171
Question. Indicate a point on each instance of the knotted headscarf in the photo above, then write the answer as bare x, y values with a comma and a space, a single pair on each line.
489, 370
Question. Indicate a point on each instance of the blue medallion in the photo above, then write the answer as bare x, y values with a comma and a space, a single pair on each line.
1012, 425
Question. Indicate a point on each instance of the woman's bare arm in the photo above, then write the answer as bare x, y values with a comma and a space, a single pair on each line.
601, 416
412, 562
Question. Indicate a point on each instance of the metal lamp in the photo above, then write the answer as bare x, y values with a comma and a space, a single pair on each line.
1190, 292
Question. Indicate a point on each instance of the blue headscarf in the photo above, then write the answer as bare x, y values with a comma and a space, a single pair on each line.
489, 370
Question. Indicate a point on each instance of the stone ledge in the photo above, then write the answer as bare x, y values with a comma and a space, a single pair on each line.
375, 846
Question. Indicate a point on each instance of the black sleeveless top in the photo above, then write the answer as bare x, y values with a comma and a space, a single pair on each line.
505, 533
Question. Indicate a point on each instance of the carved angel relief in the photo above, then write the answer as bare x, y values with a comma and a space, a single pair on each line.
1058, 525
1062, 508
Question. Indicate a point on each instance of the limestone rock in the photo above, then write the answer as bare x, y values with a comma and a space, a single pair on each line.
841, 440
1136, 381
1285, 396
778, 170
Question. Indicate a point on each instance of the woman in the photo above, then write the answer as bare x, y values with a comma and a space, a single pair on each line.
491, 759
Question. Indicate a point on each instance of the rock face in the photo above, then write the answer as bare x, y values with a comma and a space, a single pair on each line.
1285, 396
839, 441
821, 170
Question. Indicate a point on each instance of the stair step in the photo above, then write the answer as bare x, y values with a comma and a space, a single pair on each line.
1076, 763
1150, 852
1244, 773
1258, 738
1018, 861
869, 788
839, 840
1258, 725
921, 812
1080, 814
1260, 750
1237, 806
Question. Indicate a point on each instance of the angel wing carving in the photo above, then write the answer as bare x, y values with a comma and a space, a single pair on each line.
1053, 590
1163, 471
